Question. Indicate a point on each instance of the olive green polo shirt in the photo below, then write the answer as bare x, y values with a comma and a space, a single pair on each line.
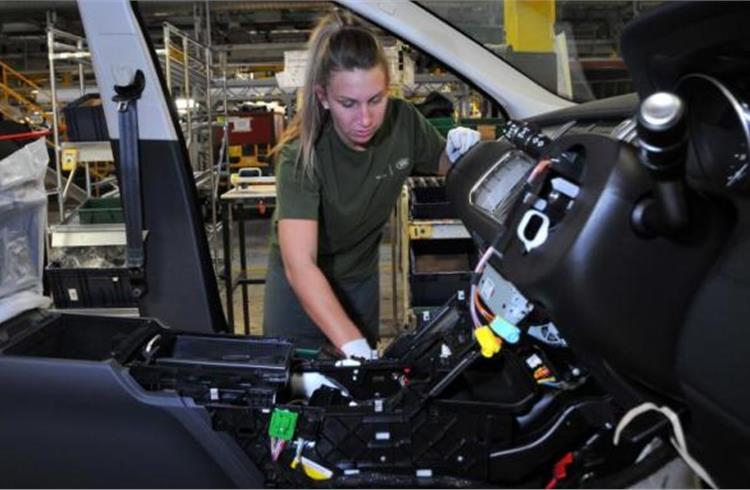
352, 193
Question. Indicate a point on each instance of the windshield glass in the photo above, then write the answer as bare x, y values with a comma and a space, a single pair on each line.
570, 47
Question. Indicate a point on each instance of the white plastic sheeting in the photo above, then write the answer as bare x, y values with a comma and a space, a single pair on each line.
23, 210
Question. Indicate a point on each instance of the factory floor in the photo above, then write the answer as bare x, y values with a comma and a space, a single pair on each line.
256, 240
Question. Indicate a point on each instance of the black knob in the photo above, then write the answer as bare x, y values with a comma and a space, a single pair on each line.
525, 137
663, 145
661, 132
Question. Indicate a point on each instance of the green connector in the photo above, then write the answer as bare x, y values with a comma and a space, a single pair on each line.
306, 353
283, 423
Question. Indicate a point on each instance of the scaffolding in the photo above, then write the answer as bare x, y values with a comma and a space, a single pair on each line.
187, 69
64, 47
187, 65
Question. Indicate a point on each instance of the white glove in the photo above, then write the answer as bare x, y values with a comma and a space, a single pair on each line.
358, 348
458, 141
307, 383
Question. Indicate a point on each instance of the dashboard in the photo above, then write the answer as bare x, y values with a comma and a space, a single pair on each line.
627, 222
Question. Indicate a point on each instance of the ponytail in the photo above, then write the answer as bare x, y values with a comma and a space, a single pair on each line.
336, 44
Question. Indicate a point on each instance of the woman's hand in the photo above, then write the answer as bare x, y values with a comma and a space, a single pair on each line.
358, 348
458, 141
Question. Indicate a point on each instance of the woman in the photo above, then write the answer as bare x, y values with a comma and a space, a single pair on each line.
340, 167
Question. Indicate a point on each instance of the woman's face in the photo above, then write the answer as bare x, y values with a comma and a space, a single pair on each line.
357, 101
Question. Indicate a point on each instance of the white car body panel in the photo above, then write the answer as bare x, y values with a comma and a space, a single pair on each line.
517, 93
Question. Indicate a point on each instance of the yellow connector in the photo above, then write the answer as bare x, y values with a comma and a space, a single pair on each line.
488, 341
314, 470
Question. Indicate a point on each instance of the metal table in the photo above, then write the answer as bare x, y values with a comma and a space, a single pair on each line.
262, 197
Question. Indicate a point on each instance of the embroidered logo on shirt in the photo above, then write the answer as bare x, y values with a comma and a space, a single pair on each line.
402, 163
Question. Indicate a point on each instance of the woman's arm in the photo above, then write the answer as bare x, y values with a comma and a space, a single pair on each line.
445, 164
298, 240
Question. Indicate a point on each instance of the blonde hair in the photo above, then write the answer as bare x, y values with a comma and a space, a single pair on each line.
336, 44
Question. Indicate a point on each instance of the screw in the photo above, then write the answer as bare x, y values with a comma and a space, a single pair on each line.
382, 459
460, 459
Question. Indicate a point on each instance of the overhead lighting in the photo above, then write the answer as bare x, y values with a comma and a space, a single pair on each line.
184, 104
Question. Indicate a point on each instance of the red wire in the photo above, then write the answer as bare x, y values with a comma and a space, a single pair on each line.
478, 302
24, 136
540, 167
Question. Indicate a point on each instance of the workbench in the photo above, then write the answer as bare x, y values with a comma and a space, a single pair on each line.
235, 203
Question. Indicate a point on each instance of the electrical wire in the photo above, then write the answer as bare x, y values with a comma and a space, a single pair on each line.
540, 167
473, 294
678, 441
488, 316
472, 307
277, 446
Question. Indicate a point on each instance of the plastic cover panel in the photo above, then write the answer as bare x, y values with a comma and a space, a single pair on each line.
23, 202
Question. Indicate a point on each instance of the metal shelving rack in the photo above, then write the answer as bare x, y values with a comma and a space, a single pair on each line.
65, 47
187, 66
188, 70
408, 229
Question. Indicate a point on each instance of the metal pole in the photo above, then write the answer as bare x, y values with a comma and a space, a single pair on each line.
81, 80
209, 107
226, 116
226, 207
226, 218
71, 176
403, 226
188, 97
88, 179
55, 121
196, 21
167, 63
82, 85
394, 267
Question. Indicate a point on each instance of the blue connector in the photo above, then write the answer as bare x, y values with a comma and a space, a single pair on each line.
505, 330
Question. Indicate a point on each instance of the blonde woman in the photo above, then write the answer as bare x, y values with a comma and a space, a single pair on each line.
340, 166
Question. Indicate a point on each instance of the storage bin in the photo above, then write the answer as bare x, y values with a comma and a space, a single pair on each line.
430, 203
101, 210
265, 357
212, 369
442, 124
84, 337
90, 288
440, 268
84, 119
255, 128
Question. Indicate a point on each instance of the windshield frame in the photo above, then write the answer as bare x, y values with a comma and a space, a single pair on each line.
517, 93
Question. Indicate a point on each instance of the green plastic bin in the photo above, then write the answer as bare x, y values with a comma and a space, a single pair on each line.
443, 124
101, 210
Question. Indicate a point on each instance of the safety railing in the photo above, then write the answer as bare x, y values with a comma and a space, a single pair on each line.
18, 94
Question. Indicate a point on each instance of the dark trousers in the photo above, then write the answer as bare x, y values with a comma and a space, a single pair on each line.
283, 315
